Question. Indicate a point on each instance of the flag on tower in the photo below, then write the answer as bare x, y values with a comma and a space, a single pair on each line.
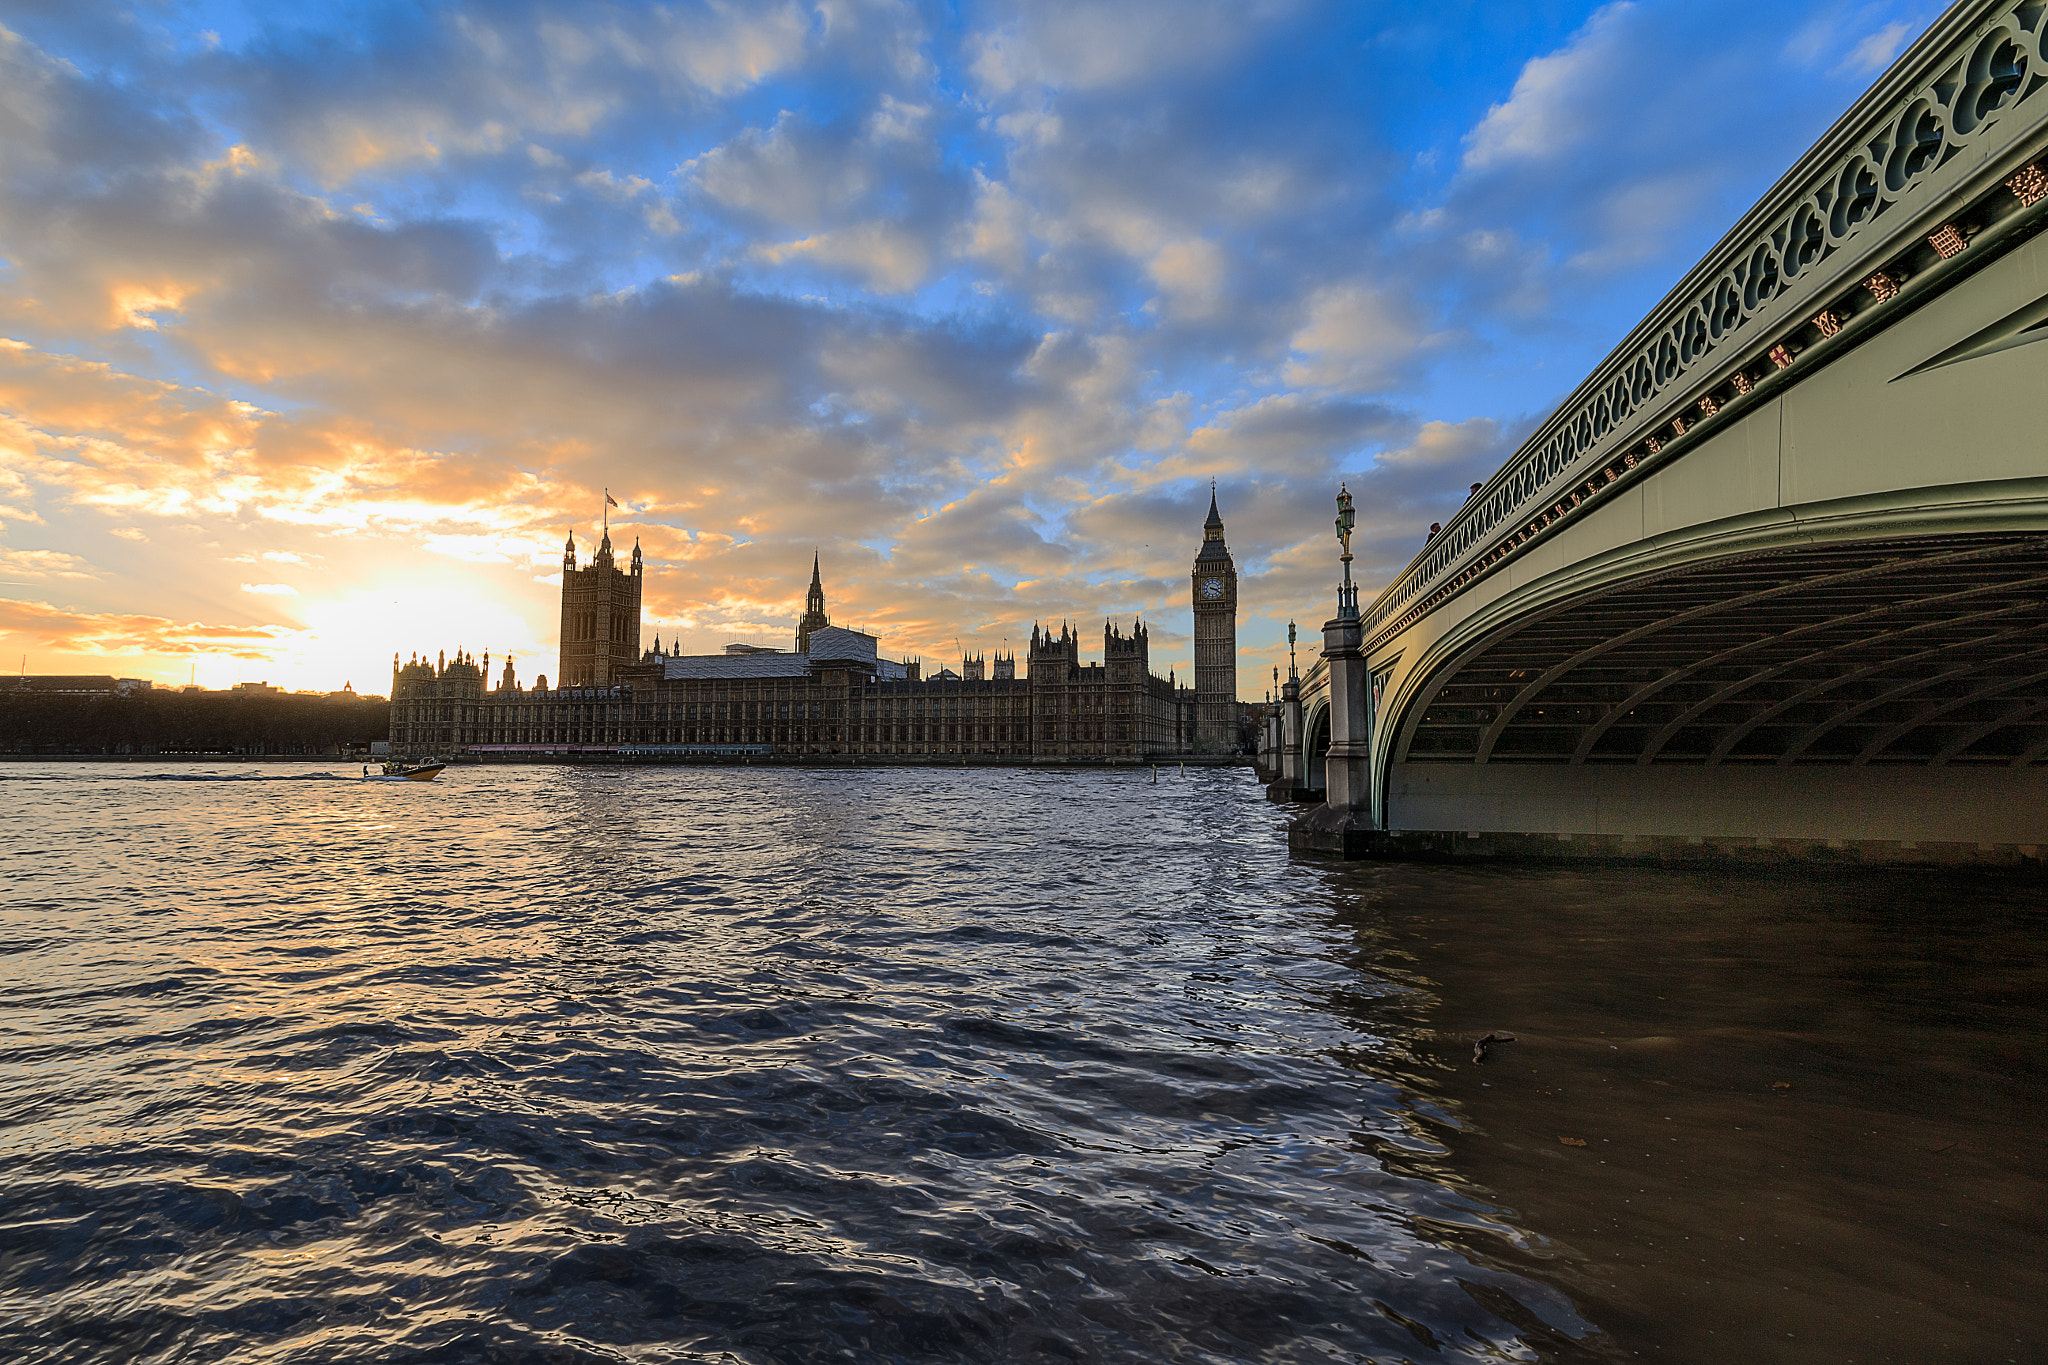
609, 500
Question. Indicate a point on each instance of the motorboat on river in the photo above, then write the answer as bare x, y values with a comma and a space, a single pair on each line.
405, 772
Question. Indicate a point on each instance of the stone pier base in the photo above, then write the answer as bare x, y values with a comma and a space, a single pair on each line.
1326, 829
1329, 833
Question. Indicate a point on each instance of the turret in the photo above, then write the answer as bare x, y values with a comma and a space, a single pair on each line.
636, 556
569, 554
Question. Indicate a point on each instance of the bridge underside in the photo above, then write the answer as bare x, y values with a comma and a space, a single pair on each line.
1831, 693
1927, 652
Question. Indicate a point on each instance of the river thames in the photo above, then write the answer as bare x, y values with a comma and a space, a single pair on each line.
568, 1065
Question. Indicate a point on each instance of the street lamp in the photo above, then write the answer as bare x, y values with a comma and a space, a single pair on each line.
1347, 594
1292, 671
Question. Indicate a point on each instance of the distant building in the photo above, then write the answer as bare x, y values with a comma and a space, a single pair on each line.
1117, 708
834, 694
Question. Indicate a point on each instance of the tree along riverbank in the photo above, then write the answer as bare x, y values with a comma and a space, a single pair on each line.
177, 724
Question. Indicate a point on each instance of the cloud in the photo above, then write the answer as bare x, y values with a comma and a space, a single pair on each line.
271, 589
1357, 337
1557, 104
1875, 52
1098, 44
1440, 444
1191, 273
794, 173
1291, 435
884, 258
41, 625
462, 82
998, 235
42, 564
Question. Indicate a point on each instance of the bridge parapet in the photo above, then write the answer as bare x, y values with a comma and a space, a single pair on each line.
1940, 157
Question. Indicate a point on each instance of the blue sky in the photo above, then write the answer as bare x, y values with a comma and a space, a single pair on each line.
323, 325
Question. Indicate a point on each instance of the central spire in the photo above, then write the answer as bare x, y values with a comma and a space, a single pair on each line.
814, 609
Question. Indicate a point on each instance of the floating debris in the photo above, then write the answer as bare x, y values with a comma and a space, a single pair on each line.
1479, 1048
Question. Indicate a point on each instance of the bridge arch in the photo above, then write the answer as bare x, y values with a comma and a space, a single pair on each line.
1315, 745
1809, 675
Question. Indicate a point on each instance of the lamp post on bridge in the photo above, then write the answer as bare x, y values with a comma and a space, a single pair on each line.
1347, 591
1269, 733
1346, 812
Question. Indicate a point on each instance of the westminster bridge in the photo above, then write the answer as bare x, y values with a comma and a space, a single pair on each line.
1776, 573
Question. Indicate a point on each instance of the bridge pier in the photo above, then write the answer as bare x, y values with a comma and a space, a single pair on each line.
1343, 823
1290, 783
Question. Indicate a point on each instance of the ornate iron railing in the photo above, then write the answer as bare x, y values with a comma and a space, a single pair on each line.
1934, 156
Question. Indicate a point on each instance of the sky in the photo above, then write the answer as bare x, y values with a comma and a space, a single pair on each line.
322, 326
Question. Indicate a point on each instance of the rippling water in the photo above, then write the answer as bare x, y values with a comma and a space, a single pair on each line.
549, 1064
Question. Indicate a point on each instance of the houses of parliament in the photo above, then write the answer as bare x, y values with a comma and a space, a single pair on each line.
831, 696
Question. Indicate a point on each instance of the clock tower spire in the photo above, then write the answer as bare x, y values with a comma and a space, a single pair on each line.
1215, 601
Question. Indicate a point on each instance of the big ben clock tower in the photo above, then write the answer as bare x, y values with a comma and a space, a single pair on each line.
1215, 588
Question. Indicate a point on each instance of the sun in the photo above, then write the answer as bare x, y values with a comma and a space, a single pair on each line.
352, 637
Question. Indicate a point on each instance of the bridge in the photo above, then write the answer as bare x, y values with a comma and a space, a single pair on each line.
1775, 575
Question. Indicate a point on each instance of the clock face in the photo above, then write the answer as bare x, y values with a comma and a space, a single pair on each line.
1212, 588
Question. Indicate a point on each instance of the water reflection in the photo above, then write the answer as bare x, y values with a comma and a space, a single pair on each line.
564, 1065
